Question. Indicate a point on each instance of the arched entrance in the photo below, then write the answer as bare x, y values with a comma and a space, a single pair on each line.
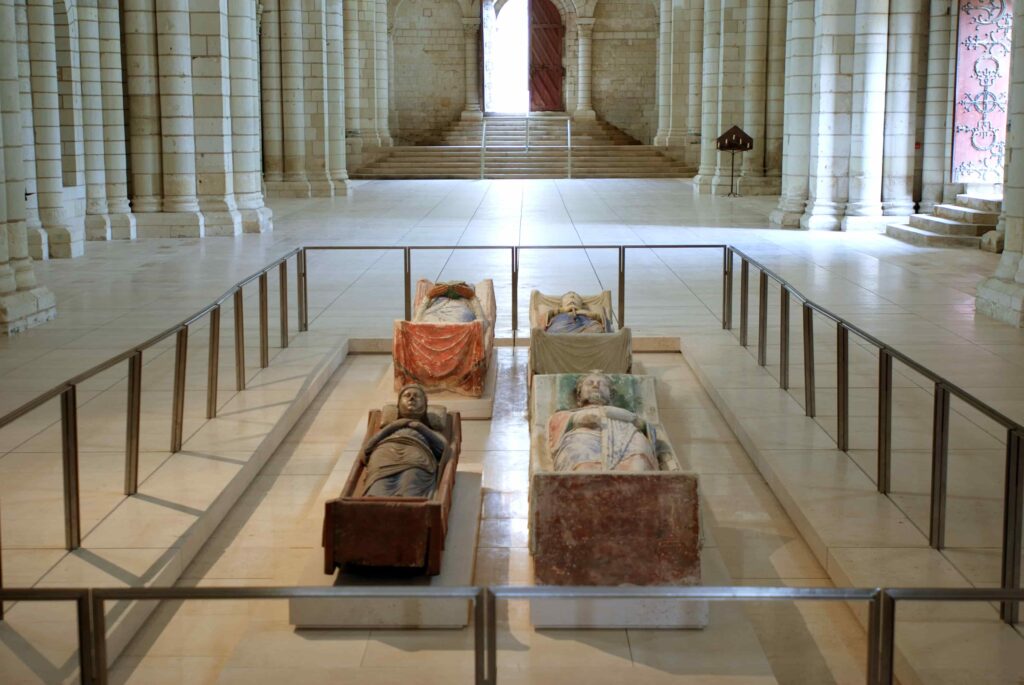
524, 43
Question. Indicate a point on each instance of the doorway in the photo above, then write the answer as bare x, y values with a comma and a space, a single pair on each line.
523, 46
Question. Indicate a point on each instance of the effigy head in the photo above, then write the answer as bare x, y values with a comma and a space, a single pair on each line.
593, 389
412, 401
454, 290
572, 300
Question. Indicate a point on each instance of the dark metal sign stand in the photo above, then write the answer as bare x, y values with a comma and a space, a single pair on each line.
734, 140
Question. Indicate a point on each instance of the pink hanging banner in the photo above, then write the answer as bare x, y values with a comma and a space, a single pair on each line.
982, 90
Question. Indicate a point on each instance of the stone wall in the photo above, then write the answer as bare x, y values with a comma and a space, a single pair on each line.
430, 69
625, 47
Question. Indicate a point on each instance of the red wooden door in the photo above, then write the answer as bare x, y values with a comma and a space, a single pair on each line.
547, 36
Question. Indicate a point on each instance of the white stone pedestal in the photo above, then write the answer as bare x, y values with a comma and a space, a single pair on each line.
619, 613
470, 407
457, 567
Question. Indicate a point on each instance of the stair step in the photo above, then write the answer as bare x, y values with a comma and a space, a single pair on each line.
917, 236
982, 204
967, 215
950, 227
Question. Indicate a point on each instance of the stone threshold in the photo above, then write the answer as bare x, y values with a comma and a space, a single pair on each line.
149, 539
858, 535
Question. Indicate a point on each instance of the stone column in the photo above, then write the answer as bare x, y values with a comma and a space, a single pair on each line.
97, 223
471, 31
293, 97
867, 129
141, 65
901, 107
778, 17
665, 50
353, 139
181, 216
709, 95
1002, 295
245, 118
211, 81
315, 88
23, 302
584, 33
694, 109
115, 159
796, 114
64, 240
338, 163
270, 82
380, 64
368, 79
38, 246
755, 96
830, 127
936, 184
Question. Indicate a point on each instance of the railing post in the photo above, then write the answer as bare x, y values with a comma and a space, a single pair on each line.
1, 564
744, 299
886, 639
264, 324
282, 282
1013, 508
884, 420
134, 415
842, 387
622, 286
302, 294
784, 338
99, 639
874, 621
479, 638
407, 270
213, 364
69, 443
491, 614
178, 406
940, 467
515, 292
809, 390
87, 666
239, 341
762, 319
727, 289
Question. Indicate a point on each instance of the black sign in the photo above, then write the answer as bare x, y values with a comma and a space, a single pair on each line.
735, 140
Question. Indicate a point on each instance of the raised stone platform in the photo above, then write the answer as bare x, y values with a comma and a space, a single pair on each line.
457, 566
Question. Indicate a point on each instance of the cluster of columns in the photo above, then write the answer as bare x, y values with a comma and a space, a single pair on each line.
851, 138
23, 302
1002, 295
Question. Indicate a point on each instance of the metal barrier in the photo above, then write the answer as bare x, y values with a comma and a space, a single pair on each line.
80, 596
1013, 502
714, 594
67, 390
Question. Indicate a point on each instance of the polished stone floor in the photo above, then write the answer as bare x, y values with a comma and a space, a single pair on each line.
919, 300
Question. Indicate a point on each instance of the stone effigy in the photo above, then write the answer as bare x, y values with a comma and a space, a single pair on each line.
575, 333
447, 345
609, 502
393, 510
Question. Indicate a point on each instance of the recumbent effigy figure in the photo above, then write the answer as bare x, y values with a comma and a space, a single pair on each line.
596, 436
573, 333
574, 315
401, 459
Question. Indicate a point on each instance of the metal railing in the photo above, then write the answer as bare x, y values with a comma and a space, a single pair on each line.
67, 390
881, 618
944, 390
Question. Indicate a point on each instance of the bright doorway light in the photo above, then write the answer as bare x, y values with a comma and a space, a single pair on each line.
509, 90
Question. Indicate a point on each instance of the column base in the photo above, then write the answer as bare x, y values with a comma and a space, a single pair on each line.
122, 226
866, 224
38, 244
258, 220
22, 310
472, 115
353, 153
1000, 298
322, 187
822, 216
288, 188
781, 218
584, 115
170, 225
340, 186
97, 227
757, 185
224, 223
65, 242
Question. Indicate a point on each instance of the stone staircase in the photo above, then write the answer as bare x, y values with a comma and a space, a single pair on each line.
960, 224
526, 147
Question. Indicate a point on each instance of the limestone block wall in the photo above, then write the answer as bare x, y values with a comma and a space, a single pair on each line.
429, 83
624, 66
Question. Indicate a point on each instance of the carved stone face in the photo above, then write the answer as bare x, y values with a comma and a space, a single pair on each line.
593, 389
572, 300
412, 402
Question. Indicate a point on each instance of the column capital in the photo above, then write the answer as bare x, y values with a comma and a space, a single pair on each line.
585, 28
